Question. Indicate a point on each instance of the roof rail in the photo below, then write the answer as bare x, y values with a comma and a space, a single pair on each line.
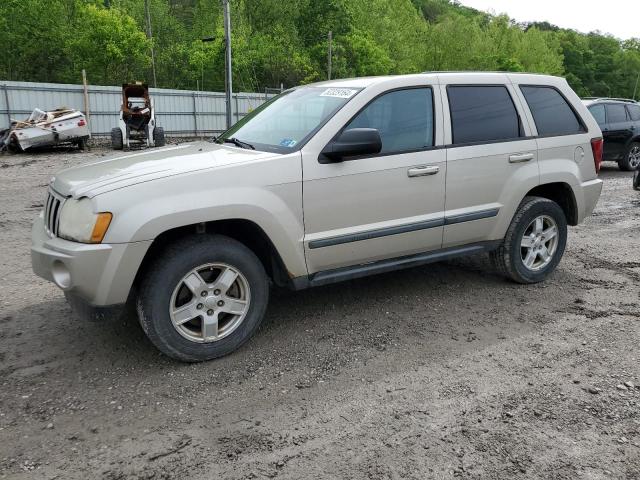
600, 99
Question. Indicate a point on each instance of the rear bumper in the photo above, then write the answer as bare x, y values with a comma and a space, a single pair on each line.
591, 191
97, 274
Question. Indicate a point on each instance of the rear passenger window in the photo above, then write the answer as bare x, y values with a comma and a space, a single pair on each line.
616, 113
551, 112
404, 119
598, 113
634, 111
482, 113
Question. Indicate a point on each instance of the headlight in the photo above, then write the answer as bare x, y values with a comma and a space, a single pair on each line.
80, 224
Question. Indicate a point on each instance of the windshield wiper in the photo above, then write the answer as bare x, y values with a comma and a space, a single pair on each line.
238, 143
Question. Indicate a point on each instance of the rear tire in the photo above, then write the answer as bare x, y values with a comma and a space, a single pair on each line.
636, 179
158, 137
631, 159
170, 288
82, 143
116, 139
529, 264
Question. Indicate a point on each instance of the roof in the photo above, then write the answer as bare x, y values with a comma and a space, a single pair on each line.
363, 82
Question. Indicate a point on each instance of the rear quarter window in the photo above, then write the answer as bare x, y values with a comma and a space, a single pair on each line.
482, 113
634, 112
551, 112
598, 113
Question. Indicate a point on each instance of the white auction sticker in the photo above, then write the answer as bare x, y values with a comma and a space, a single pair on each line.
338, 92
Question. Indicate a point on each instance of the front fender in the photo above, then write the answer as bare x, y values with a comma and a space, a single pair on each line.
144, 211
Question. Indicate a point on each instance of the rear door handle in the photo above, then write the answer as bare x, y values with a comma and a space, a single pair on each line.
521, 158
423, 170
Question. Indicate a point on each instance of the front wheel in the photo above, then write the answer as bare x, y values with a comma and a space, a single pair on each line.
158, 137
534, 243
636, 179
203, 298
116, 139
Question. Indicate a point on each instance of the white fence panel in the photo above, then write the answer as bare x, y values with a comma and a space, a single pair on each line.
179, 112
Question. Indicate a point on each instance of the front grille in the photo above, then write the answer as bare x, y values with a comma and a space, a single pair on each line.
52, 208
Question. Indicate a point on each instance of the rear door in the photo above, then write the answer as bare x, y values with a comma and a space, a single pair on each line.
634, 114
617, 132
490, 158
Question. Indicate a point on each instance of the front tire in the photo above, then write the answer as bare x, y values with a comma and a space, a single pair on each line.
203, 298
534, 243
158, 137
636, 179
116, 139
631, 159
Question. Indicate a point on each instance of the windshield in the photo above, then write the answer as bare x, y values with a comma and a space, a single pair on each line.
287, 121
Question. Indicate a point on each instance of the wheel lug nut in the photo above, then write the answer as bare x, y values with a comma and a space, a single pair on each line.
209, 312
199, 306
216, 292
203, 294
220, 303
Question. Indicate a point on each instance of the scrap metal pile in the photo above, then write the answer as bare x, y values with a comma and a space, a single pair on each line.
46, 128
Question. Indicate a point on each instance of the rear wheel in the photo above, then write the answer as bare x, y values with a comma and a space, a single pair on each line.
158, 137
116, 139
82, 143
631, 159
534, 243
203, 298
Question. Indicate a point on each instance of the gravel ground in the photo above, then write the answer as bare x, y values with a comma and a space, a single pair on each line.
436, 372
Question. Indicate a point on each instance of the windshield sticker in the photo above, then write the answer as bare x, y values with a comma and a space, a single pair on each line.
338, 92
287, 142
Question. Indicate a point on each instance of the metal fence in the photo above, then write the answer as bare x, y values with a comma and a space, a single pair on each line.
179, 112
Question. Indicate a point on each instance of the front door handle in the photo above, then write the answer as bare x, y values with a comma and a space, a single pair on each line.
423, 170
521, 158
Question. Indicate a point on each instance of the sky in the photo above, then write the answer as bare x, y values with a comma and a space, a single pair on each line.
617, 17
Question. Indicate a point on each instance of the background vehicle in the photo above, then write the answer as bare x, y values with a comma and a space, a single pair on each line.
619, 120
44, 129
137, 124
324, 183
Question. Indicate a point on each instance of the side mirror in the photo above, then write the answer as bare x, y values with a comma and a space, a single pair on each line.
352, 142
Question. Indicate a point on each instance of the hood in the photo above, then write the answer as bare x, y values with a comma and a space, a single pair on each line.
91, 179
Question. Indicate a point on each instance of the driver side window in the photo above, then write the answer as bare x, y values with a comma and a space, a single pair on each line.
404, 119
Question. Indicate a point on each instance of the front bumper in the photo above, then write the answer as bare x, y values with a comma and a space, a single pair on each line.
96, 274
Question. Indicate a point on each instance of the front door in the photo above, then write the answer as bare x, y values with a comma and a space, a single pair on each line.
382, 206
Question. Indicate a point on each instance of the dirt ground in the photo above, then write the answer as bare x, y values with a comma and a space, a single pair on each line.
437, 372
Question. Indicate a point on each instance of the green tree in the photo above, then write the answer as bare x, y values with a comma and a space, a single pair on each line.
108, 44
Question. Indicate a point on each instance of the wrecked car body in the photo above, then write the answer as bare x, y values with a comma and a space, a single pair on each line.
46, 128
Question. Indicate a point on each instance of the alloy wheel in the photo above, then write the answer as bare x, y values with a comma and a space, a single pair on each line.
634, 157
210, 302
539, 243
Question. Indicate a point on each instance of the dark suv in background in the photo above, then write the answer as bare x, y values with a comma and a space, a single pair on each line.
619, 120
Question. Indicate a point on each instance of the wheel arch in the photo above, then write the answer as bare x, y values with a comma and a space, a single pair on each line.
562, 194
244, 231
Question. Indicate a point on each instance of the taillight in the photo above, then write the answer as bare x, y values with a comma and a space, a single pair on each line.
81, 122
596, 147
